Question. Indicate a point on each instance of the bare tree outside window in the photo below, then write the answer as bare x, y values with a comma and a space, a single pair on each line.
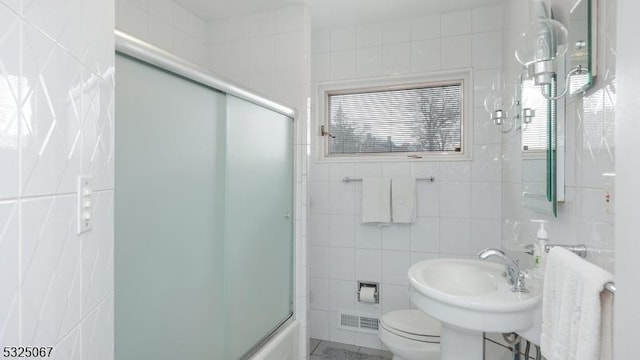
440, 128
414, 120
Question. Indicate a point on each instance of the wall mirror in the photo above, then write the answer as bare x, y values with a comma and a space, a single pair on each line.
582, 26
542, 153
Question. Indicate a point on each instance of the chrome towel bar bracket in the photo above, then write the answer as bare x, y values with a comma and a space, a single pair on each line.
610, 287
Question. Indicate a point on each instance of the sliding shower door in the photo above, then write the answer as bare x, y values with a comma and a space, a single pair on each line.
203, 218
169, 216
259, 229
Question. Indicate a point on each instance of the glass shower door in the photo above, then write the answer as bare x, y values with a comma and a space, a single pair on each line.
203, 218
258, 225
169, 199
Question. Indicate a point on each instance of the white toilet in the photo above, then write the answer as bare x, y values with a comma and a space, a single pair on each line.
410, 335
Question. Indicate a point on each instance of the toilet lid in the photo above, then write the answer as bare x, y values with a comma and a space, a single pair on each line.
413, 322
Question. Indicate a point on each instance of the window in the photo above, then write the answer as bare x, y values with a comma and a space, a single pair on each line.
420, 119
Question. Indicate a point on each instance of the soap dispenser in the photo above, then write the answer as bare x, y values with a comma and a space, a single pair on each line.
539, 249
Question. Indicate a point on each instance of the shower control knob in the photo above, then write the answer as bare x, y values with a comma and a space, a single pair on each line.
287, 215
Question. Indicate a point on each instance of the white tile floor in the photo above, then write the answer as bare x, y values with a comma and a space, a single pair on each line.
493, 350
318, 347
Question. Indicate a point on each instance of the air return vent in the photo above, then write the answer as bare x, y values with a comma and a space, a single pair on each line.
349, 320
367, 323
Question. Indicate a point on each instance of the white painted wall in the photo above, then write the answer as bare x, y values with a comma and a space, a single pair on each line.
627, 313
56, 123
457, 216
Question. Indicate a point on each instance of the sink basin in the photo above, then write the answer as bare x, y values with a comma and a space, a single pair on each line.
472, 294
458, 277
470, 297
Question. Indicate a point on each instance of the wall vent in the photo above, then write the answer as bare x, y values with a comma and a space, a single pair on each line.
367, 323
349, 320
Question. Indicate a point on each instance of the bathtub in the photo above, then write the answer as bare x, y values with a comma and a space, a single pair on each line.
283, 346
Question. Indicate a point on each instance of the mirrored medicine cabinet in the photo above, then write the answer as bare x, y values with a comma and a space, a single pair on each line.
542, 120
582, 24
541, 188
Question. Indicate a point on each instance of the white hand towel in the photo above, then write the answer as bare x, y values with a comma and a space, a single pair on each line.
403, 200
571, 307
376, 200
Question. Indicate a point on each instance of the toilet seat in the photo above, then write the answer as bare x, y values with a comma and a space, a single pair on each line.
413, 325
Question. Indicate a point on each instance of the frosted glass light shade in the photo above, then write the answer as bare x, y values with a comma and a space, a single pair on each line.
497, 100
545, 40
498, 97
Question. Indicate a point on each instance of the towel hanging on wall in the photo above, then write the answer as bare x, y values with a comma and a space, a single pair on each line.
575, 322
403, 200
376, 200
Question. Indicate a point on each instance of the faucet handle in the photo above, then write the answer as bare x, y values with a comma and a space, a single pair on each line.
528, 249
520, 285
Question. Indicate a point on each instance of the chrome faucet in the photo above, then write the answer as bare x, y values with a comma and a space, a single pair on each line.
515, 277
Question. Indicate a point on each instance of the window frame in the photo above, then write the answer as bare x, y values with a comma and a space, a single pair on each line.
413, 81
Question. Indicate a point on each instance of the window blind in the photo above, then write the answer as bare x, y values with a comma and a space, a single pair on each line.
535, 135
410, 120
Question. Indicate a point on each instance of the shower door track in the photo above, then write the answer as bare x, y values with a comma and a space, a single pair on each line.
138, 49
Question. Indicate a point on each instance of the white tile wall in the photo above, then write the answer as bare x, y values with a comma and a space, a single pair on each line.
10, 26
628, 170
426, 55
457, 23
427, 27
9, 257
166, 25
366, 35
396, 58
590, 128
342, 38
58, 19
457, 52
457, 215
58, 286
261, 50
396, 32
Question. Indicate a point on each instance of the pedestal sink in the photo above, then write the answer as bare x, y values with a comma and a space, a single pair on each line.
470, 297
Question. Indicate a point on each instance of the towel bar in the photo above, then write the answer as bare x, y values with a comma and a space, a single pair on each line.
610, 287
350, 179
580, 249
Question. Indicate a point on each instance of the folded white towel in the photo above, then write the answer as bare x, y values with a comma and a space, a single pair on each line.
571, 308
376, 200
403, 200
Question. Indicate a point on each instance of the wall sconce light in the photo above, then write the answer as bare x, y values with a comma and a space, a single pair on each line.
499, 104
527, 115
539, 50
